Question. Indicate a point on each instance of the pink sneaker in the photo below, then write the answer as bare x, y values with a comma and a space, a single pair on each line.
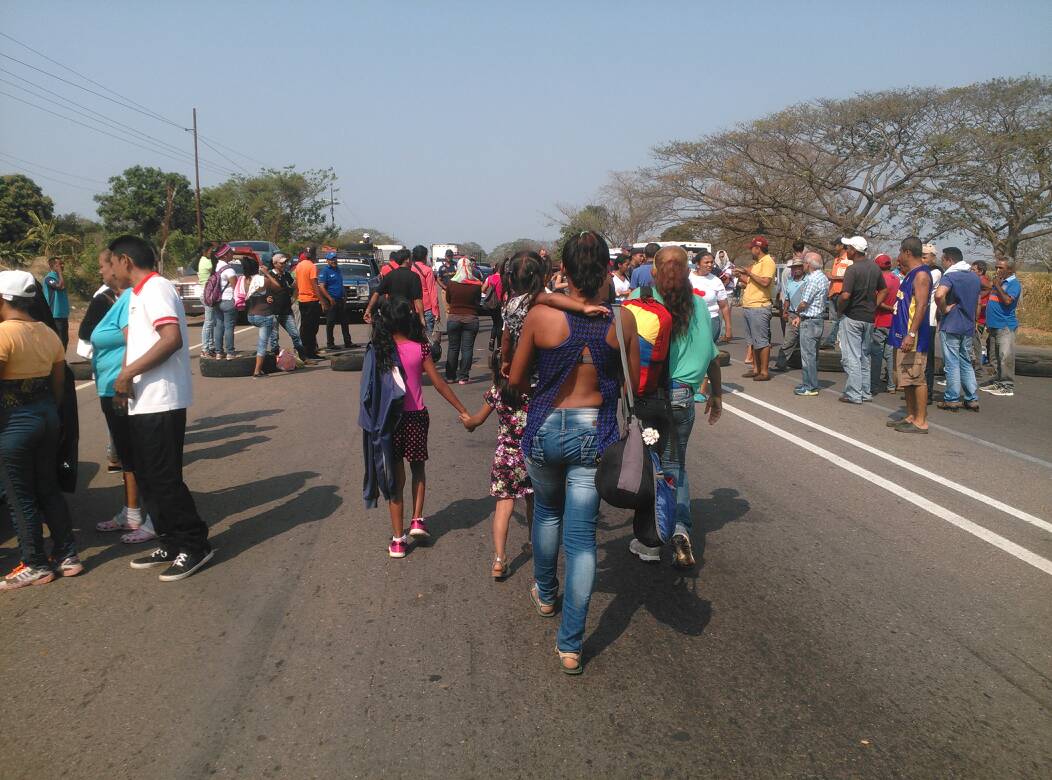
396, 549
418, 528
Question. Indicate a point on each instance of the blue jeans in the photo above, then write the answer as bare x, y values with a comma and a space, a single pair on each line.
208, 343
562, 463
673, 457
855, 342
429, 322
225, 317
29, 436
267, 331
834, 322
288, 322
810, 335
461, 335
881, 357
957, 357
717, 327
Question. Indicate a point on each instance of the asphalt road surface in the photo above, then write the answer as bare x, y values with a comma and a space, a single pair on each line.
866, 604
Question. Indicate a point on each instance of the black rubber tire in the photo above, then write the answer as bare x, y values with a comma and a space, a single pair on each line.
725, 358
830, 360
243, 365
436, 351
81, 370
350, 360
1033, 362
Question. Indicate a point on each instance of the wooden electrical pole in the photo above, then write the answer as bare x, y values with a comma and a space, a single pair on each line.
332, 206
197, 183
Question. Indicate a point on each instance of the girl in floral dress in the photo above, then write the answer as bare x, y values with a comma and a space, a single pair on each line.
508, 478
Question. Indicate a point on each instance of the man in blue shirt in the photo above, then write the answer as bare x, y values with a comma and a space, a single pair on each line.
1001, 324
644, 274
330, 285
792, 284
809, 311
957, 299
58, 298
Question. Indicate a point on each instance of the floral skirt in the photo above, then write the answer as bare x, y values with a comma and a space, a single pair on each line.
508, 478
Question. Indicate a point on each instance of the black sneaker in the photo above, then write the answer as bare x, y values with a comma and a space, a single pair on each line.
158, 557
186, 564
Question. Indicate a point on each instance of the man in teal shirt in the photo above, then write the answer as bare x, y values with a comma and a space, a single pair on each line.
57, 298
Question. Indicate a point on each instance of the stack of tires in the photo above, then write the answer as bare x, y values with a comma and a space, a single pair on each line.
242, 365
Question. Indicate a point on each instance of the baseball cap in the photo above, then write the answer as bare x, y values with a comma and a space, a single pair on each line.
857, 243
883, 261
759, 241
17, 284
929, 249
330, 255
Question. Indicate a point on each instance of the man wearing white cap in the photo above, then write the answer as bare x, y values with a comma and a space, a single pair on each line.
931, 259
864, 288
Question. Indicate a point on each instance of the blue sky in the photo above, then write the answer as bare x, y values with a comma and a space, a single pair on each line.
457, 121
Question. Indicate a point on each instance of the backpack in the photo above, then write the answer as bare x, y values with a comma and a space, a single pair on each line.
213, 292
241, 293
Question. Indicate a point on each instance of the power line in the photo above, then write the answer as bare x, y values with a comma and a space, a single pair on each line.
89, 127
144, 110
232, 162
53, 170
37, 175
105, 120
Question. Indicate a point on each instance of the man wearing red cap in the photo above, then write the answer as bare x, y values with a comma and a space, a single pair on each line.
756, 306
882, 354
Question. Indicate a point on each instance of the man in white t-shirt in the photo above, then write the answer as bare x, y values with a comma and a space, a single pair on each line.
154, 386
713, 291
931, 259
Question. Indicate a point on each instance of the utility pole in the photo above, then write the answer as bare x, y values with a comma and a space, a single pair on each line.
332, 206
197, 182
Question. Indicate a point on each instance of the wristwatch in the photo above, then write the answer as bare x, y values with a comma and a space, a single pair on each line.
911, 334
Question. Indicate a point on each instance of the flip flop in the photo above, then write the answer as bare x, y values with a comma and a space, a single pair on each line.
749, 375
535, 597
910, 428
138, 536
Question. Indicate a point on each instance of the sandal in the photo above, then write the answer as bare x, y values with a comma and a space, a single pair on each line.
138, 536
535, 597
749, 374
564, 657
117, 523
500, 568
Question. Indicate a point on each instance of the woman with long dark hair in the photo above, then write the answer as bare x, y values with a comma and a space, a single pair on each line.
692, 356
572, 418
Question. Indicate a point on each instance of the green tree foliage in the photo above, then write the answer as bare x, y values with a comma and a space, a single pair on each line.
75, 225
227, 219
284, 205
137, 198
46, 239
510, 248
21, 200
473, 249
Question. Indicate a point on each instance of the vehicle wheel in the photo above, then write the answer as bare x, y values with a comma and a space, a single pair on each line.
436, 351
1033, 362
81, 370
829, 360
242, 365
725, 358
350, 360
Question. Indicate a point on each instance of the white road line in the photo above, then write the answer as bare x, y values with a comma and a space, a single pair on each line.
920, 471
919, 501
82, 385
960, 434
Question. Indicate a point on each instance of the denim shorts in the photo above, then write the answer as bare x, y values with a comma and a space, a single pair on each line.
758, 326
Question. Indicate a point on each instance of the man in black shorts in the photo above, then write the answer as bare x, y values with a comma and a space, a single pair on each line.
402, 282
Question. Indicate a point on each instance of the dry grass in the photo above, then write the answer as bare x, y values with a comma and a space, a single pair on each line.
1035, 307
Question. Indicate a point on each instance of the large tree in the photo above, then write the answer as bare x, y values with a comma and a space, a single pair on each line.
138, 199
510, 248
20, 200
816, 170
1000, 189
285, 205
473, 249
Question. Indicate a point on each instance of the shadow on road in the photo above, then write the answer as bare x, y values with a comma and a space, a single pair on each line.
224, 450
669, 594
228, 419
461, 514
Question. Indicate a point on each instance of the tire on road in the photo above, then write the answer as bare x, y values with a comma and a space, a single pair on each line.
1033, 362
81, 370
725, 357
350, 360
242, 365
830, 360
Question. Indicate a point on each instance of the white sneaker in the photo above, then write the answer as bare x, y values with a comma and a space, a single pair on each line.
644, 553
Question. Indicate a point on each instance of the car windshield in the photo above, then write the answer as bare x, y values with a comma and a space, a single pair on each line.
356, 270
257, 246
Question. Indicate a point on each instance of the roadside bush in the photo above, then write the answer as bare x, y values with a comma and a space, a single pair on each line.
1035, 307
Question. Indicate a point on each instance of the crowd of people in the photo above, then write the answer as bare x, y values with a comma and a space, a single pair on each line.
569, 342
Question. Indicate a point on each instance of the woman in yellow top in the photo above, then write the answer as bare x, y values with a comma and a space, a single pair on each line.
32, 373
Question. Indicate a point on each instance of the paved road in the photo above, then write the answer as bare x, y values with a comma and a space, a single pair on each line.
831, 629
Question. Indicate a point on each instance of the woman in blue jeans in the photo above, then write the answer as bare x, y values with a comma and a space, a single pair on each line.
259, 303
692, 355
32, 375
572, 418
